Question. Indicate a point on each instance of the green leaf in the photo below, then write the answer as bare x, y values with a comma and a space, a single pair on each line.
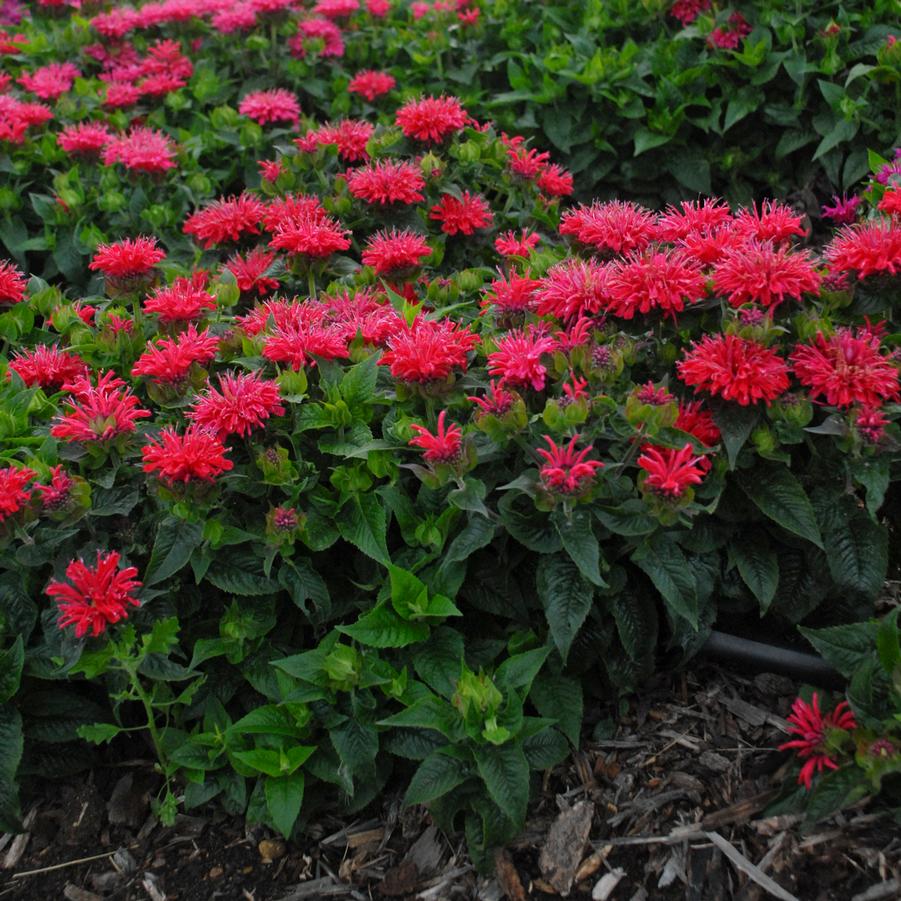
438, 662
779, 495
888, 642
630, 518
545, 749
98, 733
162, 637
560, 698
11, 745
566, 598
437, 775
844, 647
663, 562
275, 763
842, 132
477, 533
759, 566
11, 662
284, 797
303, 583
856, 549
530, 528
175, 541
383, 628
363, 522
241, 573
741, 103
580, 543
636, 622
646, 140
358, 383
409, 595
273, 719
357, 744
735, 424
470, 497
505, 772
690, 168
835, 790
518, 671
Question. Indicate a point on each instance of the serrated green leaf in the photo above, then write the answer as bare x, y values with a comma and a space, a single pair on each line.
438, 661
98, 733
665, 565
505, 772
580, 543
284, 798
240, 573
437, 775
363, 522
735, 424
759, 566
175, 541
779, 495
636, 622
356, 743
560, 698
383, 628
477, 533
566, 598
11, 662
856, 548
843, 647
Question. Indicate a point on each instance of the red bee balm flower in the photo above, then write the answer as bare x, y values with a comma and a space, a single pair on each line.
13, 493
198, 455
669, 471
371, 84
99, 413
517, 359
692, 217
655, 280
508, 245
387, 181
431, 118
847, 368
734, 368
250, 271
812, 728
616, 226
573, 288
869, 248
444, 446
170, 360
85, 137
395, 251
314, 236
699, 423
555, 181
567, 471
428, 351
760, 273
182, 301
774, 221
12, 284
464, 216
130, 257
277, 105
142, 150
226, 219
97, 596
243, 403
56, 495
47, 366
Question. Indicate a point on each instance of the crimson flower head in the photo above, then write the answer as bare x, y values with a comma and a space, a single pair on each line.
507, 244
85, 138
57, 494
94, 597
243, 403
698, 422
13, 491
317, 33
48, 366
843, 210
395, 251
649, 393
277, 105
615, 226
127, 258
669, 471
98, 413
270, 170
197, 455
511, 294
871, 425
314, 236
759, 272
573, 288
517, 359
184, 300
226, 219
141, 150
285, 519
555, 181
566, 470
462, 216
12, 284
686, 11
428, 350
654, 280
297, 343
891, 202
847, 368
251, 271
734, 368
444, 446
371, 84
349, 136
170, 359
51, 81
692, 217
773, 221
387, 181
431, 118
496, 402
813, 728
868, 248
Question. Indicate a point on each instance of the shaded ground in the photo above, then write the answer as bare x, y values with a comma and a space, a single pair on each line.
669, 807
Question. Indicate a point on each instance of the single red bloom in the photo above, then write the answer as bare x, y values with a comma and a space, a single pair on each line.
378, 8
320, 34
350, 136
197, 455
226, 219
517, 359
290, 209
566, 470
511, 294
170, 359
236, 18
361, 314
243, 403
336, 9
843, 210
182, 301
759, 272
555, 181
670, 471
298, 343
573, 288
285, 519
734, 368
265, 107
654, 280
51, 81
649, 393
395, 251
98, 413
86, 137
121, 94
431, 118
387, 181
444, 446
774, 222
812, 728
250, 271
270, 170
97, 596
686, 11
496, 402
316, 236
891, 202
527, 162
692, 217
508, 245
57, 494
615, 226
12, 284
869, 248
13, 493
708, 248
698, 422
371, 84
142, 150
462, 216
428, 350
17, 117
871, 425
847, 368
48, 366
126, 258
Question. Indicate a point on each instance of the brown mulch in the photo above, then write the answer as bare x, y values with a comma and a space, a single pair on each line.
670, 806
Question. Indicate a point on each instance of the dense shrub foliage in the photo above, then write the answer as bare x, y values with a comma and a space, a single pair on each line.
338, 447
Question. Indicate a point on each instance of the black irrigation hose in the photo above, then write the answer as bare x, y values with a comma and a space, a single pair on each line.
802, 666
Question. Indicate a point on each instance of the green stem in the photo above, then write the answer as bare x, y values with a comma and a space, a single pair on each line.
311, 283
147, 702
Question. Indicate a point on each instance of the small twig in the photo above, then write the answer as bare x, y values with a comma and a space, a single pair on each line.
62, 866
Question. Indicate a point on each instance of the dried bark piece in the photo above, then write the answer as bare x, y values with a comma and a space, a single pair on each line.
508, 878
562, 852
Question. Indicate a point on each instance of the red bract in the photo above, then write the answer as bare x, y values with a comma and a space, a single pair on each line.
843, 210
517, 359
298, 343
735, 369
57, 494
226, 219
616, 226
17, 117
567, 471
870, 248
184, 300
51, 81
387, 181
773, 221
98, 413
511, 294
12, 284
47, 366
243, 403
395, 251
428, 351
555, 181
572, 289
371, 84
431, 118
170, 359
507, 244
97, 596
846, 368
127, 258
320, 34
141, 150
812, 728
250, 271
527, 161
197, 455
760, 272
698, 422
496, 402
290, 209
13, 492
444, 446
277, 105
316, 236
85, 137
692, 217
654, 281
349, 136
462, 216
891, 202
669, 471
